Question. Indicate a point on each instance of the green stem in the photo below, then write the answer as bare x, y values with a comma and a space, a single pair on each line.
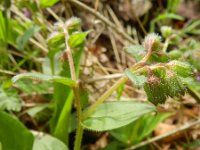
79, 135
104, 97
79, 130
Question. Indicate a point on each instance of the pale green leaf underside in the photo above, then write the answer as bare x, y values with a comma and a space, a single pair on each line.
43, 77
48, 142
138, 80
136, 51
112, 115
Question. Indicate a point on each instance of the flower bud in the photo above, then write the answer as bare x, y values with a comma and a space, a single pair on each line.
152, 41
166, 31
175, 54
73, 24
154, 90
173, 85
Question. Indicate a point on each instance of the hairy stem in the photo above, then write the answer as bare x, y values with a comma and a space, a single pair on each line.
104, 97
79, 130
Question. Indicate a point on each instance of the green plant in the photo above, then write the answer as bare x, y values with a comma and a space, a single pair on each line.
160, 80
163, 69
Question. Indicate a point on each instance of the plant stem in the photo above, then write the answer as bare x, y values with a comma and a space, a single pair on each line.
79, 135
104, 97
79, 130
147, 56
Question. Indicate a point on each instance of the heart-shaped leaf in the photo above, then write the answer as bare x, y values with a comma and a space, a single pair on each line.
112, 115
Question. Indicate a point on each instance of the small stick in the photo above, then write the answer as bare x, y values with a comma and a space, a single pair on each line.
7, 72
106, 77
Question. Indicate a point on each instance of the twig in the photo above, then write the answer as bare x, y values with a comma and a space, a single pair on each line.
138, 20
54, 15
7, 72
182, 128
106, 77
99, 32
114, 17
113, 42
68, 11
96, 5
105, 20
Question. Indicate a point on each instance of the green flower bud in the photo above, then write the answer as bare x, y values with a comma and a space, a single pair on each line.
56, 39
154, 90
180, 68
166, 31
175, 54
173, 85
152, 41
73, 24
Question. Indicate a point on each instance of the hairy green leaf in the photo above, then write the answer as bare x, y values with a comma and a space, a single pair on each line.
13, 134
113, 115
158, 88
180, 68
43, 77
